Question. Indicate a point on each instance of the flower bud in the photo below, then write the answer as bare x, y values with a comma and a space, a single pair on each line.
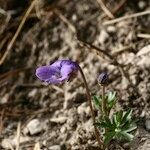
103, 79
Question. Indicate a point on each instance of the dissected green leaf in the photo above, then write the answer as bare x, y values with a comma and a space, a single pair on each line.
97, 101
127, 116
107, 120
111, 96
126, 125
119, 116
114, 121
108, 137
131, 128
126, 135
111, 104
111, 99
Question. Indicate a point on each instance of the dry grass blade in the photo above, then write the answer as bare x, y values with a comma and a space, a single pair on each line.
18, 136
65, 20
11, 73
4, 40
126, 17
105, 9
121, 50
1, 120
5, 76
10, 45
143, 35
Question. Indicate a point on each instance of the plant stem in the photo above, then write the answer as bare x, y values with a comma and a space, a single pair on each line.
104, 108
91, 107
104, 111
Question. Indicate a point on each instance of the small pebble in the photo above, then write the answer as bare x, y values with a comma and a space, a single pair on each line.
142, 4
111, 29
81, 109
63, 129
60, 120
74, 17
103, 37
55, 147
33, 93
144, 51
34, 127
4, 99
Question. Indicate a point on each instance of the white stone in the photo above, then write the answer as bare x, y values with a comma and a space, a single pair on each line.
55, 147
111, 29
74, 17
103, 36
4, 99
34, 126
141, 4
32, 93
144, 62
59, 120
7, 143
144, 51
81, 109
63, 129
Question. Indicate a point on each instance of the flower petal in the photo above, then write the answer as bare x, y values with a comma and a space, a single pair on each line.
67, 71
44, 73
53, 80
57, 64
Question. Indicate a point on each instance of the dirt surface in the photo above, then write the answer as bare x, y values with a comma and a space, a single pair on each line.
79, 30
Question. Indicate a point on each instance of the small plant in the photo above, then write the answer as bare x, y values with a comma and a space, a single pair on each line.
117, 126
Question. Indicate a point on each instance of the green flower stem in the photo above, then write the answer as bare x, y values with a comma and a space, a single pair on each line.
91, 107
104, 108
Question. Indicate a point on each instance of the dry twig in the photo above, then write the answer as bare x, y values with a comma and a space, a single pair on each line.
143, 35
121, 50
18, 136
126, 17
11, 73
1, 120
116, 8
105, 9
65, 20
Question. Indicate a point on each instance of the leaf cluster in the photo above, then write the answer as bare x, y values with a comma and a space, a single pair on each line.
110, 101
118, 127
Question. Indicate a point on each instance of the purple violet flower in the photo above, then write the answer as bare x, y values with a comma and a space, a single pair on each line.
58, 72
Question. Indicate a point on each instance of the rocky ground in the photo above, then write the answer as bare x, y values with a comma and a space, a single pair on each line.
58, 117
